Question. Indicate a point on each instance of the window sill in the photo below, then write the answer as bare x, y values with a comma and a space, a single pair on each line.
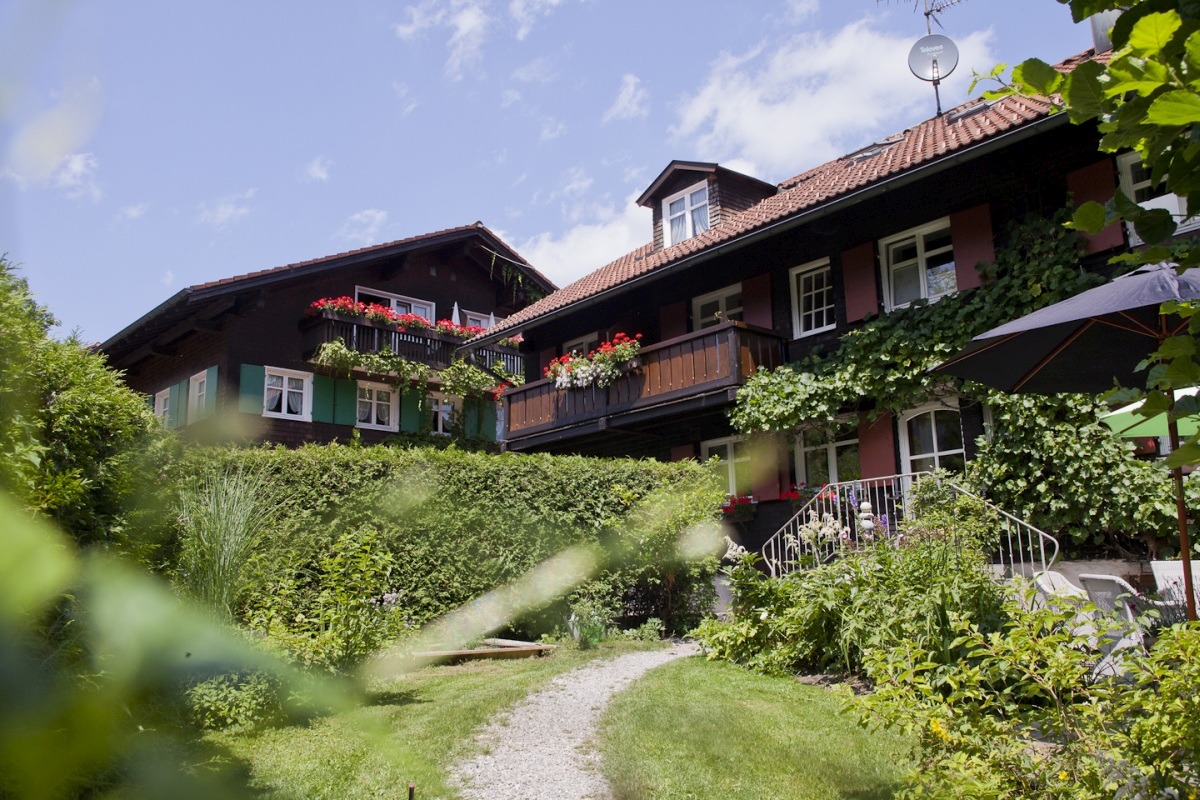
292, 417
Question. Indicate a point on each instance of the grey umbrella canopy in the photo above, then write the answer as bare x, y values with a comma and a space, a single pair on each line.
1086, 344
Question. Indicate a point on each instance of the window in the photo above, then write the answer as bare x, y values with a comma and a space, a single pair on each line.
685, 214
735, 460
717, 307
812, 299
440, 414
287, 394
828, 456
931, 438
918, 264
162, 405
398, 303
197, 389
1137, 184
583, 345
377, 407
478, 320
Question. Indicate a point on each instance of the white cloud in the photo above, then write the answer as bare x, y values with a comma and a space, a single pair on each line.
467, 21
632, 100
133, 212
404, 95
800, 9
578, 250
364, 226
318, 169
509, 97
540, 70
76, 176
780, 111
526, 12
226, 210
168, 278
551, 129
575, 185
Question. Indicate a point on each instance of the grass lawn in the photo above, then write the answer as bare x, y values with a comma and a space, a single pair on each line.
414, 728
699, 729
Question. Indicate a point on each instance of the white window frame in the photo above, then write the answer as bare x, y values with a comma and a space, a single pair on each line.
485, 320
197, 389
162, 405
1173, 203
733, 442
393, 406
434, 402
918, 235
830, 454
399, 298
581, 344
794, 276
906, 455
721, 296
306, 402
689, 227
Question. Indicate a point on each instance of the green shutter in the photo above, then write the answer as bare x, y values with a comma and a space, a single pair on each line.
177, 405
410, 412
488, 421
322, 407
345, 402
210, 391
250, 389
479, 419
470, 418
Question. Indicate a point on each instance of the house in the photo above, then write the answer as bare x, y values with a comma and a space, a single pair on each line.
244, 351
741, 274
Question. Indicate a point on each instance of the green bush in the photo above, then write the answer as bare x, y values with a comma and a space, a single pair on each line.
1023, 714
832, 617
444, 527
237, 699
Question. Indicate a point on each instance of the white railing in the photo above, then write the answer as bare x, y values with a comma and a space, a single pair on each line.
845, 515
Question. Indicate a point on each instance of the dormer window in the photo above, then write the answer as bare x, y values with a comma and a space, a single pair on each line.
685, 214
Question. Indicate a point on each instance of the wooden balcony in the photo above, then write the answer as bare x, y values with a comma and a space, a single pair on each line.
427, 347
701, 368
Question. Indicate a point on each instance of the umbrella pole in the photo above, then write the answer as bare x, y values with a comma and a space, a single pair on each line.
1185, 546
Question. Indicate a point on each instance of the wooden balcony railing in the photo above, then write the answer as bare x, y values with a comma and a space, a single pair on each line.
427, 347
677, 369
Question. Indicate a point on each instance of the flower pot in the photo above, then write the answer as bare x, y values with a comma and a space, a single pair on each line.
632, 365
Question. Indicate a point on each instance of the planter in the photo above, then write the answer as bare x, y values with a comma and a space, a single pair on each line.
632, 365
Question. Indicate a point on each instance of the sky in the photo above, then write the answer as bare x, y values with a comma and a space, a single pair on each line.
148, 146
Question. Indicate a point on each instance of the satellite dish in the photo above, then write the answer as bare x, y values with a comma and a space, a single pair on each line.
933, 57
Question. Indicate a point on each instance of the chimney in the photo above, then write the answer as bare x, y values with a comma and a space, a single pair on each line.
1102, 24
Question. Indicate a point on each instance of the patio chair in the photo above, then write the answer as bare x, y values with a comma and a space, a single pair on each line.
1114, 596
1050, 583
1168, 577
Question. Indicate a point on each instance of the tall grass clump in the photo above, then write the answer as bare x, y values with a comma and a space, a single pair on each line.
222, 517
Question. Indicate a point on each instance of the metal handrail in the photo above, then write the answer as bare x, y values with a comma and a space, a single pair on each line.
835, 520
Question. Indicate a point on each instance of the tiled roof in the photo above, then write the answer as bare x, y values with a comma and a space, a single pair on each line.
401, 244
968, 124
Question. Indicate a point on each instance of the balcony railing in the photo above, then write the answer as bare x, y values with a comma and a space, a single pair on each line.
427, 347
706, 361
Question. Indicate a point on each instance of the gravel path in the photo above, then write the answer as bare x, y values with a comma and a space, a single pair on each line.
541, 750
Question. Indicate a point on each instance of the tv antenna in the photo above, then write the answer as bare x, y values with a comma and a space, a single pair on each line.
934, 56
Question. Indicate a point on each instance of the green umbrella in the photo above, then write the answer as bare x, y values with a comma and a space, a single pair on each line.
1129, 424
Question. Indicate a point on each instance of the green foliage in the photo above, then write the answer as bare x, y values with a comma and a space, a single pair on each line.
1023, 715
888, 357
237, 699
221, 521
404, 375
1051, 462
591, 619
440, 528
76, 444
467, 380
834, 616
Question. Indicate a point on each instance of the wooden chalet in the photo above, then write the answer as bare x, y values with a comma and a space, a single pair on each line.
240, 349
740, 274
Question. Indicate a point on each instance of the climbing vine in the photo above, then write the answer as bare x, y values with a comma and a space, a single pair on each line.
888, 358
404, 375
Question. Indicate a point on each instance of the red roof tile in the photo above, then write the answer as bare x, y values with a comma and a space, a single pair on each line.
967, 124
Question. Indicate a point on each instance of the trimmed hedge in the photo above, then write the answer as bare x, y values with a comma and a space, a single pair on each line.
445, 526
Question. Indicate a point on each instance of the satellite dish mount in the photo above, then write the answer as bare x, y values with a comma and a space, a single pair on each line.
932, 58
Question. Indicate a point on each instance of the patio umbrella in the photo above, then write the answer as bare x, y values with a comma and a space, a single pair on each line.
1084, 344
1127, 423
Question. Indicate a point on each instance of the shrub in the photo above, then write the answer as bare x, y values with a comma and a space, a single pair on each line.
1022, 714
238, 699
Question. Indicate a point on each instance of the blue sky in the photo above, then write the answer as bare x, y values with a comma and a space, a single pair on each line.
147, 146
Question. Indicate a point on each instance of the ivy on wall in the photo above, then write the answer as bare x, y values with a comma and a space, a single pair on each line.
888, 357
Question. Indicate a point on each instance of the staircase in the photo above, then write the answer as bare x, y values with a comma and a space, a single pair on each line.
843, 515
